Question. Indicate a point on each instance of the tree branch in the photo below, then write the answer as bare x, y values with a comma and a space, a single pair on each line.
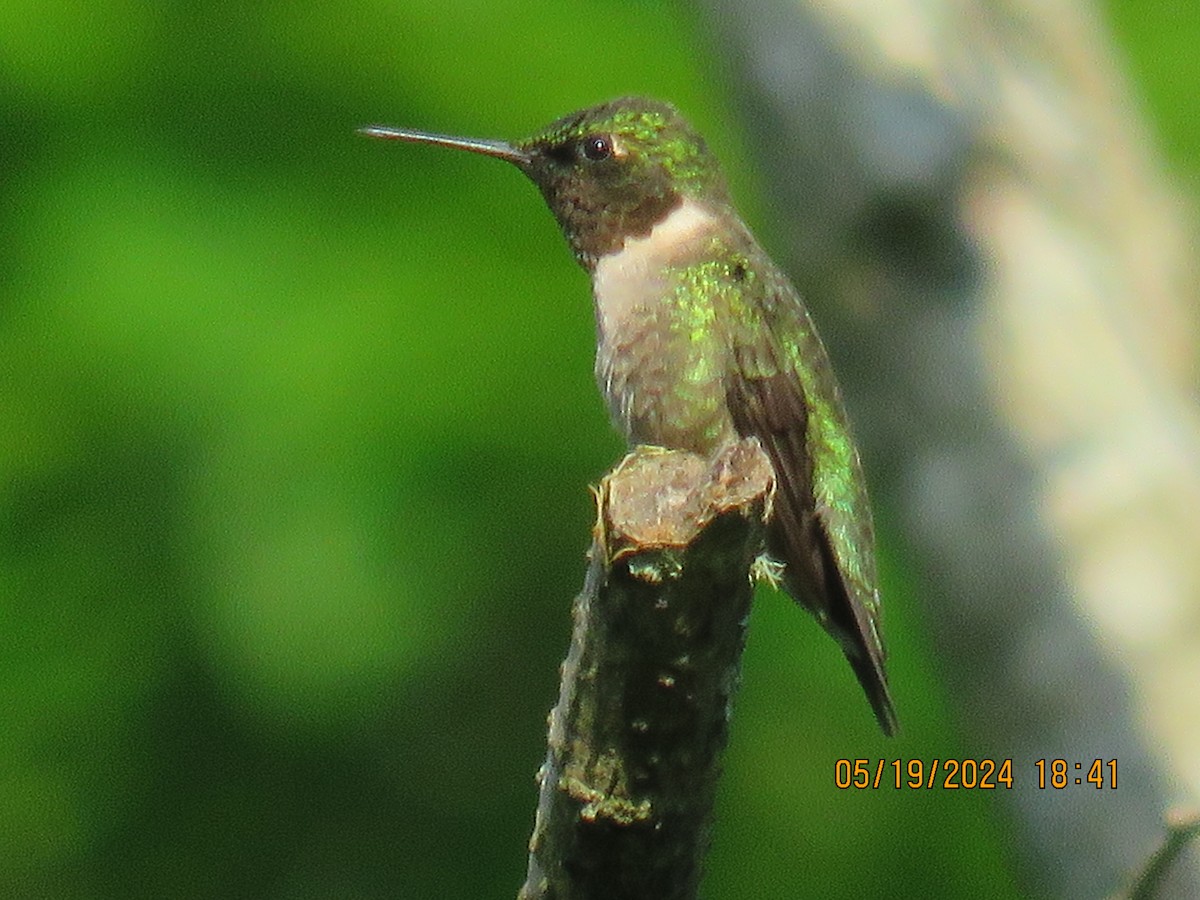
1183, 827
631, 772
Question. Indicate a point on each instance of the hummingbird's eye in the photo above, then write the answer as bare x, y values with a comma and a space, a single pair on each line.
597, 147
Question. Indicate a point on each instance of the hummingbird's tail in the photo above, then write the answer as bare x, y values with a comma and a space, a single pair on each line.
875, 686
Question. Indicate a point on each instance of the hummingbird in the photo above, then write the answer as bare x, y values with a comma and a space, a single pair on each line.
702, 340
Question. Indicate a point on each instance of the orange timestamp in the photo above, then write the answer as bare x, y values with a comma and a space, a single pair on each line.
969, 774
917, 774
1061, 773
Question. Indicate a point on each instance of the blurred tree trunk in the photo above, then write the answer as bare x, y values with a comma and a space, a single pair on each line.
1005, 280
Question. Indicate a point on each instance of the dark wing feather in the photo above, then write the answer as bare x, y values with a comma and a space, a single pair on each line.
766, 399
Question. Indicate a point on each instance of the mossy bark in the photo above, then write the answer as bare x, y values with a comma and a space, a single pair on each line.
630, 776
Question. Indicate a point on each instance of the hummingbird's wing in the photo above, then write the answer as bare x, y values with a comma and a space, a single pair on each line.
781, 389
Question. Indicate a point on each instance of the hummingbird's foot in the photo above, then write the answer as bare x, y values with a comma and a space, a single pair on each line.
766, 568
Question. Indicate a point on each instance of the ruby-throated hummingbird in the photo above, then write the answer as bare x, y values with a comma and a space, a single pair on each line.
703, 340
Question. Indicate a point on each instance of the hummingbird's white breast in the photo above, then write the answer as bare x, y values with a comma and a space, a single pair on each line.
659, 363
624, 280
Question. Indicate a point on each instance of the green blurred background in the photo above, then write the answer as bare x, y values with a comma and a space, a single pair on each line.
295, 434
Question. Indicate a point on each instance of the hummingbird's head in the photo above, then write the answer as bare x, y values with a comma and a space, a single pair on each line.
608, 173
611, 172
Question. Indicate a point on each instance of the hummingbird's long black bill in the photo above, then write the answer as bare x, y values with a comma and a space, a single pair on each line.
498, 149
